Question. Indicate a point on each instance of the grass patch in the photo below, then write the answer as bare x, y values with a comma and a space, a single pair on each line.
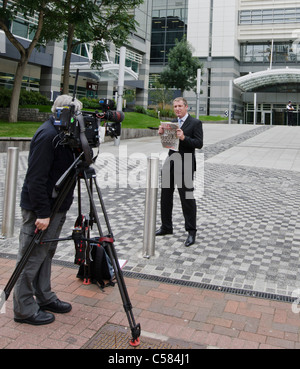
132, 120
20, 129
138, 120
210, 118
27, 129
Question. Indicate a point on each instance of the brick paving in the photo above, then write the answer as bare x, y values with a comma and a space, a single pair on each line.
165, 311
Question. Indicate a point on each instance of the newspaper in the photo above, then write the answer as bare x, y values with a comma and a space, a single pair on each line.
169, 138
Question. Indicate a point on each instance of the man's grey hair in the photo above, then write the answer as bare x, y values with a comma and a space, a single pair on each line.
181, 99
64, 100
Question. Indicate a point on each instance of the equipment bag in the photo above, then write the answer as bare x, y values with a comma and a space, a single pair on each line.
99, 269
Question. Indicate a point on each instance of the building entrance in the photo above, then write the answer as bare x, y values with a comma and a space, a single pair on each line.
270, 114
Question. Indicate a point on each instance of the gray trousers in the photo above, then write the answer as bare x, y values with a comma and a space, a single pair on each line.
33, 287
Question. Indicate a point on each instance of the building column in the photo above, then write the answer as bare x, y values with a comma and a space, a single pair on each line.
142, 94
50, 79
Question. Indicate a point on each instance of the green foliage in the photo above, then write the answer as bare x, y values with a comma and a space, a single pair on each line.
26, 98
140, 109
167, 113
152, 113
5, 96
89, 103
160, 95
181, 71
164, 113
33, 98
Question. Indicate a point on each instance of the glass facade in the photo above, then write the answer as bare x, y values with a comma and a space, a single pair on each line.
7, 81
267, 16
283, 53
169, 23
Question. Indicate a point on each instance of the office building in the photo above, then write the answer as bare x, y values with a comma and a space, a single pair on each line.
255, 45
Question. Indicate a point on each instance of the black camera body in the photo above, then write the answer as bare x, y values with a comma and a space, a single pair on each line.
84, 125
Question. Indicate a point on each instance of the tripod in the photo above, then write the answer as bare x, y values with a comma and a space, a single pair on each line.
77, 172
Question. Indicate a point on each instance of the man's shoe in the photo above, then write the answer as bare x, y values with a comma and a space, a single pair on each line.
57, 306
39, 318
162, 232
191, 239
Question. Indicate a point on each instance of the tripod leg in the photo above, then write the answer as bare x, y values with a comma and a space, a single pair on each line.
18, 270
135, 328
14, 277
37, 238
108, 244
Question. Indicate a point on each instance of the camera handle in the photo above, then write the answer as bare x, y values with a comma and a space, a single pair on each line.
64, 185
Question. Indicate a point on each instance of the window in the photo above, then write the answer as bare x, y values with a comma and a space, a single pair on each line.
283, 53
133, 59
165, 32
20, 28
286, 15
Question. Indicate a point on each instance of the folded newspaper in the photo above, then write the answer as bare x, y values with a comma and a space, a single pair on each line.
169, 138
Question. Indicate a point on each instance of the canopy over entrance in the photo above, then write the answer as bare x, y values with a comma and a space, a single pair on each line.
270, 77
108, 72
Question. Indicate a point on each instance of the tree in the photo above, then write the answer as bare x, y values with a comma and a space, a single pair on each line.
161, 95
8, 12
97, 22
78, 21
181, 71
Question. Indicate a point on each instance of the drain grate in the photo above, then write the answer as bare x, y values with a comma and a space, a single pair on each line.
205, 286
211, 287
113, 337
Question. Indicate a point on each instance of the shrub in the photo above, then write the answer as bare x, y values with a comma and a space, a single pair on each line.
152, 113
140, 109
26, 98
89, 103
5, 97
33, 98
167, 113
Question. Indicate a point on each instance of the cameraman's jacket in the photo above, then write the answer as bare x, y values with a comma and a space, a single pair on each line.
47, 162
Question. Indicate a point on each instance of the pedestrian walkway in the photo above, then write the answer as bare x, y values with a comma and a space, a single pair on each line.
234, 289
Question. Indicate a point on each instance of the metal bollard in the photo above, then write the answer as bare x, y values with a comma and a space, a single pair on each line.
10, 189
150, 208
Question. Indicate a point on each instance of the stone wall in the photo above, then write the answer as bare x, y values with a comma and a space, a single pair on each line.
28, 115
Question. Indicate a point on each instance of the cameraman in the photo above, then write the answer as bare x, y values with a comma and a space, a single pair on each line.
47, 162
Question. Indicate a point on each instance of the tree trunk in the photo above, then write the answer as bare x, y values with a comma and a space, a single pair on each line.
66, 78
24, 58
14, 104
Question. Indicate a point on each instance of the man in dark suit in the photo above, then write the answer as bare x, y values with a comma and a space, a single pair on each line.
179, 170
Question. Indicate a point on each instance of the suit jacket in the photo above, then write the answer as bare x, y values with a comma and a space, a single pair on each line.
193, 132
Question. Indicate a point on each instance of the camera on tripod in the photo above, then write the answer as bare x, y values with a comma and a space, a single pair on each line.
84, 125
113, 118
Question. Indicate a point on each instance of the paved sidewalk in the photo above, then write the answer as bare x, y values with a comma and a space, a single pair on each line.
193, 317
205, 296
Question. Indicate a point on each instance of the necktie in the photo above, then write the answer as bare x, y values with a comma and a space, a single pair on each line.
180, 123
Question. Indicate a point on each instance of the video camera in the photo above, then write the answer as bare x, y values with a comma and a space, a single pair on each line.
81, 127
